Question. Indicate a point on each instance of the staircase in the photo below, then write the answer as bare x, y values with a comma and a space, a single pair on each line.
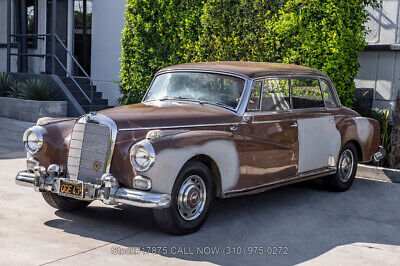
98, 102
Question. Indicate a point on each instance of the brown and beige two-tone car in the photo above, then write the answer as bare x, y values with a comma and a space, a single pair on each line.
203, 131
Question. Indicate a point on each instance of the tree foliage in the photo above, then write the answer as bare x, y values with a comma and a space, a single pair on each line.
323, 34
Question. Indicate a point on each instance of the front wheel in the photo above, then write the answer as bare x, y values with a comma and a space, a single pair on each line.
63, 203
191, 199
346, 170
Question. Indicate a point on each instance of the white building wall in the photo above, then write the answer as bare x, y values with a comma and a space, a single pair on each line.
380, 69
108, 23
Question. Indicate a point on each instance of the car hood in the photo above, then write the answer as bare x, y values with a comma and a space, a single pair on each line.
168, 114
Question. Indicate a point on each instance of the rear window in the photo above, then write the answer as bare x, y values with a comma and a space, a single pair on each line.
306, 93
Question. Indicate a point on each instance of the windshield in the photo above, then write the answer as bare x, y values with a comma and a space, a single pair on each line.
202, 87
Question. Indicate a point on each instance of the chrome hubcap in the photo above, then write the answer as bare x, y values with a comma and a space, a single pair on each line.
346, 164
191, 197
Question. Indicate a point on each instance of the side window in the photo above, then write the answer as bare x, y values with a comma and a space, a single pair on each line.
276, 95
254, 100
306, 94
327, 93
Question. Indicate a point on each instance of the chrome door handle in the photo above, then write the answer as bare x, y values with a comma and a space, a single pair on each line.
234, 127
294, 124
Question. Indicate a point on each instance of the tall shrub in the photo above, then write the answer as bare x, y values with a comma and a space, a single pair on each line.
157, 33
323, 34
237, 30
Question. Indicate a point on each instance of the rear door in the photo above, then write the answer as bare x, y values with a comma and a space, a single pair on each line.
318, 137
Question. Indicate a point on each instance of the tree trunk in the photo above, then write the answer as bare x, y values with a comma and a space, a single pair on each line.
394, 156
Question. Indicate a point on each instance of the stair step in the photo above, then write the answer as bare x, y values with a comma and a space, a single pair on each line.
78, 94
84, 88
96, 101
95, 107
80, 80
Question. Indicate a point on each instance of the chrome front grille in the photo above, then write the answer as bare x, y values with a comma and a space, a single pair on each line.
90, 148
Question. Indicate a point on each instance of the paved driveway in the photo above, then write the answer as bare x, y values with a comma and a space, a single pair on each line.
311, 225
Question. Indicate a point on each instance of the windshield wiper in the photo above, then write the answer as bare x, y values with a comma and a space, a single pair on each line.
194, 100
180, 99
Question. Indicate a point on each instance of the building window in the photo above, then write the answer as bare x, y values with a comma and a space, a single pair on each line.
26, 15
83, 35
31, 17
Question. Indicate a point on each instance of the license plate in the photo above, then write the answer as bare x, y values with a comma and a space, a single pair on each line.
71, 189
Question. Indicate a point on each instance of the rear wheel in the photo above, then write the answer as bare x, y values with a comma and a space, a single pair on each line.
346, 170
191, 199
63, 203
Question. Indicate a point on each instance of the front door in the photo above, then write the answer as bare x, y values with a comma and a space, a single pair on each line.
272, 137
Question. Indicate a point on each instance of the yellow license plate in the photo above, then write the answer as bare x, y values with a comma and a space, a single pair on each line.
71, 189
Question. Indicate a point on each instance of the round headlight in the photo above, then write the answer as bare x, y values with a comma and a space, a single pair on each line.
33, 139
142, 155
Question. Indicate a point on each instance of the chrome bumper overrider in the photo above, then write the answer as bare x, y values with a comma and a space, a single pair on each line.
108, 191
379, 154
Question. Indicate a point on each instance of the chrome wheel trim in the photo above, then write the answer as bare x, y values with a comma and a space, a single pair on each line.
191, 198
346, 165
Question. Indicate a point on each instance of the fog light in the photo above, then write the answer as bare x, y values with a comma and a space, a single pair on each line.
141, 182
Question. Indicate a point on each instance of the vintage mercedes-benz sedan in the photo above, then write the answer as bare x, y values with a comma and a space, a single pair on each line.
203, 131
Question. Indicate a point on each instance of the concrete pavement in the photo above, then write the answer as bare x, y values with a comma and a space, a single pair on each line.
313, 226
11, 132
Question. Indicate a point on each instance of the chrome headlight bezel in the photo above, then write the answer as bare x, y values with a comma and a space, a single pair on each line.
38, 131
146, 146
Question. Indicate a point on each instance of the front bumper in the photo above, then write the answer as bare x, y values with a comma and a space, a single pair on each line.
379, 154
108, 191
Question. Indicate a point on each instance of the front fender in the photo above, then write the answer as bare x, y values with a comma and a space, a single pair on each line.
174, 151
55, 144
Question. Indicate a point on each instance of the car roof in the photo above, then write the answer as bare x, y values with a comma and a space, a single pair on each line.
249, 69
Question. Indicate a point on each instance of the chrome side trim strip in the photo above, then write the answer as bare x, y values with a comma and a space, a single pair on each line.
180, 126
299, 177
201, 125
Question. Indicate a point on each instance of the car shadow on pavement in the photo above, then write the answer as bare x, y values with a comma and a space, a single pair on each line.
303, 219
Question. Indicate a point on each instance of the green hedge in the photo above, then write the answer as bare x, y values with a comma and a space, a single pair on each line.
324, 34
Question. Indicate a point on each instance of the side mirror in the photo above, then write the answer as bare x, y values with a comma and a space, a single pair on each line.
247, 119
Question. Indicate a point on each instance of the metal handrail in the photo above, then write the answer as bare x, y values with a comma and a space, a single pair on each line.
30, 35
55, 38
81, 68
73, 57
32, 55
73, 79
